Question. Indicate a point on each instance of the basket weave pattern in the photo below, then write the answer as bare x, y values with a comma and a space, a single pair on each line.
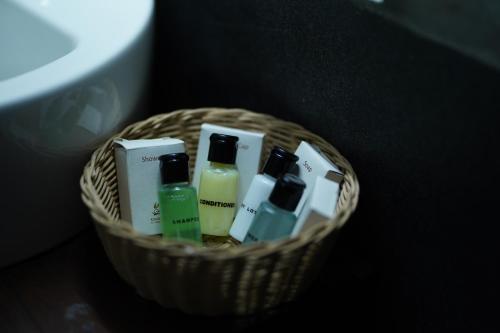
220, 278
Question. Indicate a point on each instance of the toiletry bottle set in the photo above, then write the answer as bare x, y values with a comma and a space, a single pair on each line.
267, 212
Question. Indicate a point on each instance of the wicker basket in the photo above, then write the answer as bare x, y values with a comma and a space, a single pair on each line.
218, 278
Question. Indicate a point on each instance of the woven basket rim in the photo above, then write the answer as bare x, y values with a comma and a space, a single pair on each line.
124, 230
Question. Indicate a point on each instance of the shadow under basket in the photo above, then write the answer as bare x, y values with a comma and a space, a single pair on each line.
219, 278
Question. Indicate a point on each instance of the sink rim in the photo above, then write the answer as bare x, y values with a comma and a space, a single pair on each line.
98, 42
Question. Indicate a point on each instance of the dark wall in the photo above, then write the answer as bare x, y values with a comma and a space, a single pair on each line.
419, 123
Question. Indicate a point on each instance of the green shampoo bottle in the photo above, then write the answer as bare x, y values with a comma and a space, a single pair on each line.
178, 200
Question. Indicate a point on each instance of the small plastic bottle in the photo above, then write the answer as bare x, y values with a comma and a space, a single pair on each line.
178, 201
275, 218
218, 188
279, 162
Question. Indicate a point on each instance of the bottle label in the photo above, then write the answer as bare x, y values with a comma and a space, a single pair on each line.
212, 203
185, 220
248, 208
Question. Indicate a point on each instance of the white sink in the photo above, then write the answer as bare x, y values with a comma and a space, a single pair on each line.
36, 42
71, 73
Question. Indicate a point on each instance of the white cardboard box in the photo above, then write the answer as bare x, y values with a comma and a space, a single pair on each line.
138, 174
247, 158
321, 204
312, 163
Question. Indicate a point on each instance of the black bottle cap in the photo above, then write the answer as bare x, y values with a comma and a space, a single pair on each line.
223, 148
279, 162
174, 168
287, 192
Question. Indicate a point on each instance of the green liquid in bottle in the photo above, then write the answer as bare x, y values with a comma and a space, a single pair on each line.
179, 212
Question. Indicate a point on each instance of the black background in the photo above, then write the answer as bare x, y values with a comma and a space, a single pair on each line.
418, 121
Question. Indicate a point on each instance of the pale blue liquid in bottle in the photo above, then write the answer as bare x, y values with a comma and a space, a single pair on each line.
275, 218
270, 223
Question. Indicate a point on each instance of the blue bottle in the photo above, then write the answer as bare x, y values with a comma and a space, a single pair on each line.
275, 218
